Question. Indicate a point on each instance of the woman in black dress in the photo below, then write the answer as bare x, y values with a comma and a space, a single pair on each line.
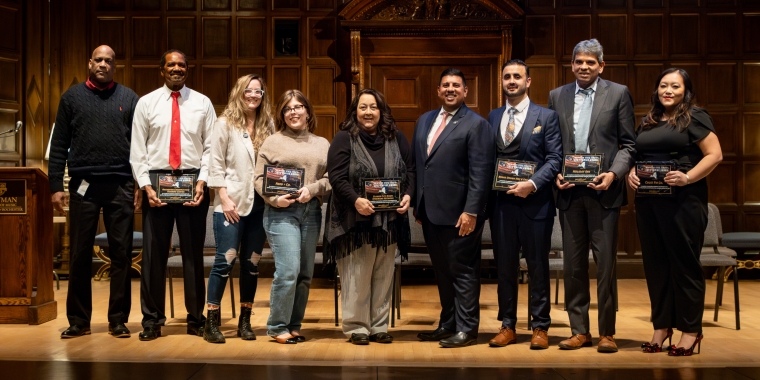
672, 227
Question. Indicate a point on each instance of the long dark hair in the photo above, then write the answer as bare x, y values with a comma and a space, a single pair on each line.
386, 126
682, 115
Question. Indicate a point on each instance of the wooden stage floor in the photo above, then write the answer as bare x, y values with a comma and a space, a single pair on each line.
723, 347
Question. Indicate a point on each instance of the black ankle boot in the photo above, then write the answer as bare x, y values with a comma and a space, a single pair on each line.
244, 325
211, 332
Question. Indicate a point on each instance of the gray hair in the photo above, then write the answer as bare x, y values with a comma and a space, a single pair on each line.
590, 47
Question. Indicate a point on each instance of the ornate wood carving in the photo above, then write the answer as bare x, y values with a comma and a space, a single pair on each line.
397, 10
356, 62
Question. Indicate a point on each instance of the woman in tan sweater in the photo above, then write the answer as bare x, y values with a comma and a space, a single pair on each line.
292, 222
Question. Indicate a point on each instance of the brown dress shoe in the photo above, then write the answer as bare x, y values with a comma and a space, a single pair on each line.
540, 340
506, 336
607, 344
575, 342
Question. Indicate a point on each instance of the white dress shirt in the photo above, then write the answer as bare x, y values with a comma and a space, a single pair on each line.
151, 133
520, 116
579, 98
437, 123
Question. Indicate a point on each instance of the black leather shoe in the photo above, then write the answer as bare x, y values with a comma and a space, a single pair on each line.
150, 333
359, 339
460, 339
75, 331
381, 337
195, 330
437, 334
118, 330
299, 338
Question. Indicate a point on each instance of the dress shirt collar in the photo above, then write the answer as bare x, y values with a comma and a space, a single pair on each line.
183, 92
452, 113
593, 86
520, 106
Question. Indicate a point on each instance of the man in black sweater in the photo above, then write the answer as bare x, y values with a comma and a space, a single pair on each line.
93, 129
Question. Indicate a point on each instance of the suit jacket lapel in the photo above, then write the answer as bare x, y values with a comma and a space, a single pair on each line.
497, 122
428, 125
568, 96
450, 126
600, 97
248, 146
527, 128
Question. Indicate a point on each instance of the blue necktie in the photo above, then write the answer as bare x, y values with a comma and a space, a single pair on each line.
584, 122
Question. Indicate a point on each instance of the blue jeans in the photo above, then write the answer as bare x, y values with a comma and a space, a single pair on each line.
247, 234
292, 233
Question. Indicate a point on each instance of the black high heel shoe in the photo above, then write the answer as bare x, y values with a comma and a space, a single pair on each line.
654, 348
682, 351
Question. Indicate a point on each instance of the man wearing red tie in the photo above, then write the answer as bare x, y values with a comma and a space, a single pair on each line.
171, 137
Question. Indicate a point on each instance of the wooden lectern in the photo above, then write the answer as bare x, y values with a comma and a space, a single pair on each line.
26, 247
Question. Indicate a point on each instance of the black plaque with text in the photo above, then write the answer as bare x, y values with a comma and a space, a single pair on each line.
652, 178
383, 193
280, 180
509, 172
174, 188
581, 169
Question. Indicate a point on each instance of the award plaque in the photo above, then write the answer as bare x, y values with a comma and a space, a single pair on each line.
13, 197
652, 178
581, 169
383, 193
282, 180
509, 172
174, 188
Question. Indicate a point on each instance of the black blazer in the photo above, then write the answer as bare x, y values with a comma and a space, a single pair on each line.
457, 175
541, 142
611, 133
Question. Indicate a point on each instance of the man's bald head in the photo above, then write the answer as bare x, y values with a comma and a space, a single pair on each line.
102, 66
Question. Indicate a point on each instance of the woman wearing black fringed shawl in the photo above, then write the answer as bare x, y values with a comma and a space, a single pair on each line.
362, 240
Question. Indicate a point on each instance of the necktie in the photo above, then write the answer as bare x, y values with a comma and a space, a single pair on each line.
175, 146
584, 122
509, 134
438, 132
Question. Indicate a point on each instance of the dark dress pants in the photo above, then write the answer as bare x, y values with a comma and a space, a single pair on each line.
158, 223
456, 263
511, 229
672, 232
116, 199
586, 222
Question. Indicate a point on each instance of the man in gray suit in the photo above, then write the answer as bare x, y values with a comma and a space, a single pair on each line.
596, 117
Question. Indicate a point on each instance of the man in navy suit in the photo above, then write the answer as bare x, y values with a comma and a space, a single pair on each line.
453, 150
523, 216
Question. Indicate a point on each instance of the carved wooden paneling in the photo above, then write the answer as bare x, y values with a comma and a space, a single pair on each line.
181, 35
145, 43
617, 73
751, 27
327, 126
259, 70
285, 78
751, 82
321, 90
541, 82
216, 37
111, 5
407, 89
567, 75
251, 5
726, 127
252, 37
539, 36
648, 35
9, 90
684, 34
613, 31
120, 74
722, 184
608, 4
145, 5
285, 4
721, 83
146, 79
721, 34
216, 83
181, 5
751, 182
321, 36
110, 31
646, 76
575, 29
9, 28
216, 5
752, 135
8, 143
320, 4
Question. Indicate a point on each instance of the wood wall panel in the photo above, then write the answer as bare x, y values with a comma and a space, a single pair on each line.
721, 83
252, 37
684, 35
110, 31
111, 5
721, 34
751, 82
576, 3
216, 37
752, 221
326, 126
321, 90
145, 43
610, 4
752, 135
401, 92
575, 28
216, 5
541, 82
9, 90
181, 35
694, 69
722, 184
216, 83
8, 28
751, 27
180, 5
539, 36
321, 36
752, 182
613, 29
285, 4
646, 76
146, 79
320, 4
681, 3
145, 5
259, 70
726, 128
8, 144
648, 35
286, 78
251, 5
648, 3
617, 73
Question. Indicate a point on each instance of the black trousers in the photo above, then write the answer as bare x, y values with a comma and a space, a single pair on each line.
116, 199
672, 232
511, 229
586, 222
456, 263
158, 223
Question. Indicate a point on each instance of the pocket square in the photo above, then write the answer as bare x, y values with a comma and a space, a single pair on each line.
536, 130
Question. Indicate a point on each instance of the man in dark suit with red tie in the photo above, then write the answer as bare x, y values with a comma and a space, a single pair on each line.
523, 214
453, 151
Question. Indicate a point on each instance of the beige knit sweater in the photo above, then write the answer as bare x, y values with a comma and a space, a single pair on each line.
300, 149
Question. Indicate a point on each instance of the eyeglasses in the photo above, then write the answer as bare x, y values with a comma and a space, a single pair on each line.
297, 109
256, 93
